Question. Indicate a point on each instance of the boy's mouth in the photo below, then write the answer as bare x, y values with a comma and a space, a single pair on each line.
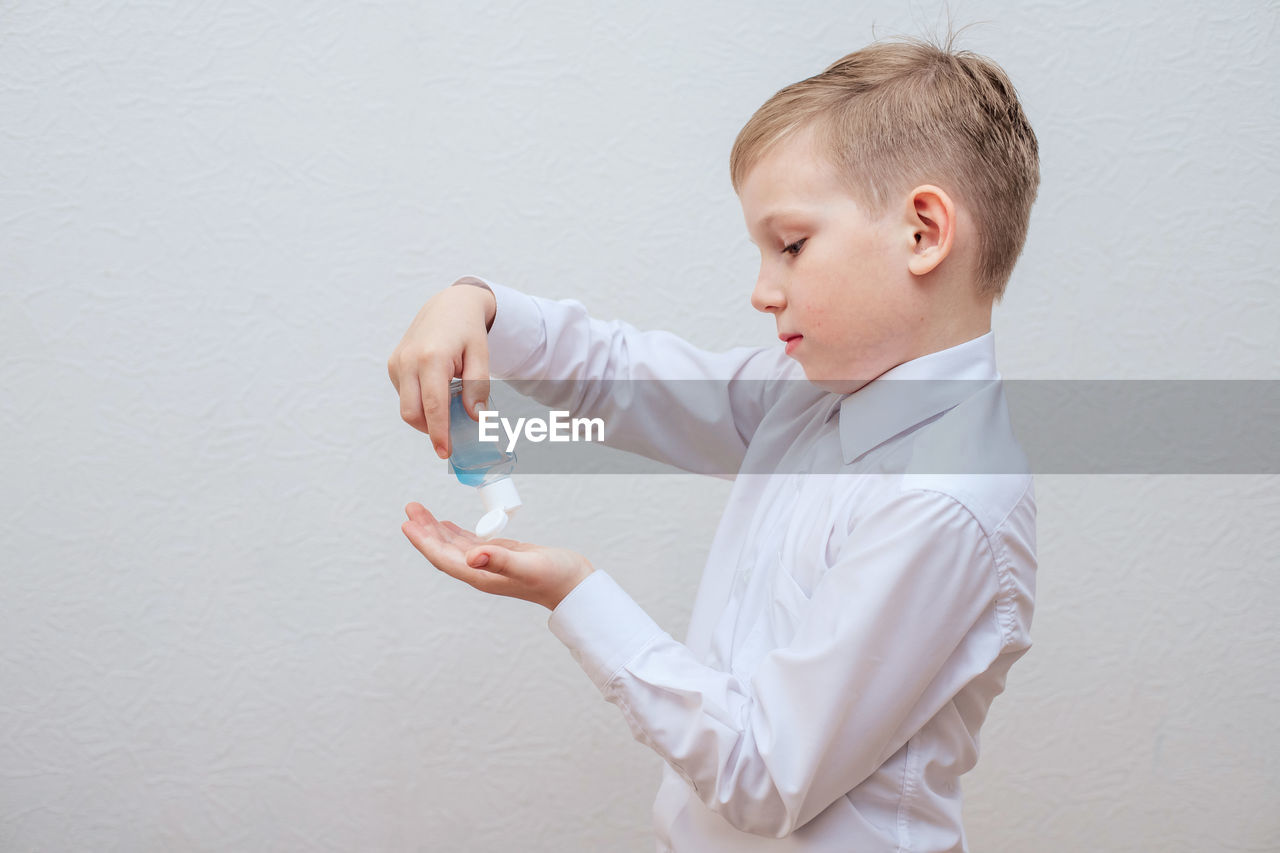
792, 341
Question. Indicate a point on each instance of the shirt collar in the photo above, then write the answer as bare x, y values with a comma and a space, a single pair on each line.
887, 406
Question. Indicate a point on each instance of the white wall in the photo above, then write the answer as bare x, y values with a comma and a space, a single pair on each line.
217, 221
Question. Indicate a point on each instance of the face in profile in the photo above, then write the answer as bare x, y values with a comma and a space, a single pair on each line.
834, 278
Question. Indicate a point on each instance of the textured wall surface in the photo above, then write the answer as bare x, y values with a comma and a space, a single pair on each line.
216, 221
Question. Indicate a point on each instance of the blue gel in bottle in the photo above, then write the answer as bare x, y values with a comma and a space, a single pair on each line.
485, 465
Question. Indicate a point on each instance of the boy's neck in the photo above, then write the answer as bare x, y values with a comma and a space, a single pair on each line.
953, 322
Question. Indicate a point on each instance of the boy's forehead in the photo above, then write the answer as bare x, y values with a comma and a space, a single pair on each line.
797, 160
791, 179
794, 157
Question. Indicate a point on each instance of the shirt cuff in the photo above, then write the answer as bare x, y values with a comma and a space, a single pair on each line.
517, 331
603, 627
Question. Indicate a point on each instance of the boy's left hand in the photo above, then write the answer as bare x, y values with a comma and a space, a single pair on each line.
496, 566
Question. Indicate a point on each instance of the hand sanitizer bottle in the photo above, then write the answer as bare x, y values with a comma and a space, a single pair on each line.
482, 464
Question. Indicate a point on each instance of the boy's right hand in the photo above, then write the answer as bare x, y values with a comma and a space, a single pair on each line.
448, 338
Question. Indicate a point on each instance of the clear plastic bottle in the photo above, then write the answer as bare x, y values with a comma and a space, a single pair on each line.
482, 464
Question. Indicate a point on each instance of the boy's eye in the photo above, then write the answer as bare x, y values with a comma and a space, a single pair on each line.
796, 246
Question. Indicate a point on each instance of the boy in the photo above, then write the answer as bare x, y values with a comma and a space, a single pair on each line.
861, 605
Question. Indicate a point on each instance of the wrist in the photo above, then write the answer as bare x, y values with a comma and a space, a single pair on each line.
489, 302
563, 593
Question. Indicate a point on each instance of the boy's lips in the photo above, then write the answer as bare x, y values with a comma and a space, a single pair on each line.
792, 341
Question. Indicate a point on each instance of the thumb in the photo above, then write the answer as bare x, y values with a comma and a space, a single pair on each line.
492, 558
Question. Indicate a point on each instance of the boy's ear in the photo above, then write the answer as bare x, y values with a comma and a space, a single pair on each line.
932, 217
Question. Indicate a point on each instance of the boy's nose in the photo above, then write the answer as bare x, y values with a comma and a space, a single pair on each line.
767, 296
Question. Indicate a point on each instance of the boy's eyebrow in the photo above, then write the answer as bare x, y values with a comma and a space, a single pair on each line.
778, 214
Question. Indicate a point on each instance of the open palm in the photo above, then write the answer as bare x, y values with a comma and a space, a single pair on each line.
497, 566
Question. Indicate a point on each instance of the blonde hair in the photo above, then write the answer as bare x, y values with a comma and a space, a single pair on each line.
898, 114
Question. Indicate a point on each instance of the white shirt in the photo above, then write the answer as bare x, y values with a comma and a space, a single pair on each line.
860, 606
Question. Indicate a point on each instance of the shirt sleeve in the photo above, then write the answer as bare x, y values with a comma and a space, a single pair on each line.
658, 395
887, 641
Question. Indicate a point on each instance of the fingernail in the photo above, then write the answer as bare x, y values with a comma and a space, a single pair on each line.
481, 561
440, 451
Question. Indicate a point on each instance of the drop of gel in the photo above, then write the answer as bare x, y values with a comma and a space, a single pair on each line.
491, 523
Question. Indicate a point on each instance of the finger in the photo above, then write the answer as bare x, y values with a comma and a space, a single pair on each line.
501, 561
411, 401
445, 557
475, 377
481, 557
393, 369
445, 531
448, 536
419, 513
461, 535
433, 381
434, 527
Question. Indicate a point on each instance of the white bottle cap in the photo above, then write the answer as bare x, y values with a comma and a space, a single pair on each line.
500, 499
500, 494
491, 523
